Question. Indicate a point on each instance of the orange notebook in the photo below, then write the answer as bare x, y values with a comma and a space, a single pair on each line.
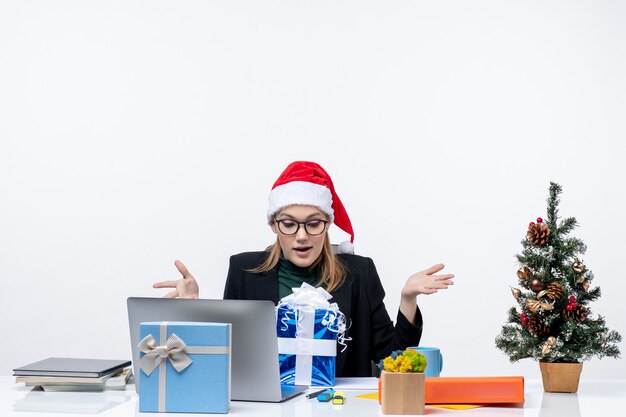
474, 390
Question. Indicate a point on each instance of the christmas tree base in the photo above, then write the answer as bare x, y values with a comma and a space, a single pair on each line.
560, 377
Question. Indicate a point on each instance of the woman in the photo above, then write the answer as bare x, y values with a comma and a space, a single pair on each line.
302, 205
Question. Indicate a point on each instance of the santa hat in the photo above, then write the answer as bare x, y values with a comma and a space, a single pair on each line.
306, 183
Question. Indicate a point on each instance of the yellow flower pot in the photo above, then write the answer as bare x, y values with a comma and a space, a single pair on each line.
402, 393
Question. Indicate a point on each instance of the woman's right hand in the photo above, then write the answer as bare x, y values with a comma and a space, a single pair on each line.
186, 287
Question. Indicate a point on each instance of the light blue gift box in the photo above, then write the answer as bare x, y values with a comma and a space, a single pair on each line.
202, 350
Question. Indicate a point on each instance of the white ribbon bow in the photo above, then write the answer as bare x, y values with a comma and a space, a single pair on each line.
308, 295
307, 298
174, 348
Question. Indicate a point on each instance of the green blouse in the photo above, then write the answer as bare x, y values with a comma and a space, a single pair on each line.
292, 276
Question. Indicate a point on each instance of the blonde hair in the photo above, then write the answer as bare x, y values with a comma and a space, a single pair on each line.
331, 271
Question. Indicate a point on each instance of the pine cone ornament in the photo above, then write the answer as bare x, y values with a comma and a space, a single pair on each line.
579, 313
537, 327
538, 233
554, 291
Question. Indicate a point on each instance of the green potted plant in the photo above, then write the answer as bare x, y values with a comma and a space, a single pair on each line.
553, 322
401, 383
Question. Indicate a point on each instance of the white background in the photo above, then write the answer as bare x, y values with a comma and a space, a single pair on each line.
134, 133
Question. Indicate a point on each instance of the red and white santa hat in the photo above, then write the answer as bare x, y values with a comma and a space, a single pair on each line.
307, 183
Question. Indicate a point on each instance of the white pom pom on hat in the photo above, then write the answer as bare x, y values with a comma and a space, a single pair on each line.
345, 247
307, 183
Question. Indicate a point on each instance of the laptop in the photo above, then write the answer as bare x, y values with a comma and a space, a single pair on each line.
255, 374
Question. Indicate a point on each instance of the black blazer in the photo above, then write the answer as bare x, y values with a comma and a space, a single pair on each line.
360, 298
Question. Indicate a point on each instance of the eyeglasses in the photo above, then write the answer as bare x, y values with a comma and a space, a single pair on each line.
311, 227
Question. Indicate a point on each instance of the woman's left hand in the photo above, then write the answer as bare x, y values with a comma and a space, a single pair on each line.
423, 282
426, 282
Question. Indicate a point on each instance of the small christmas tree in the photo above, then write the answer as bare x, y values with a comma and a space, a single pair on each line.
554, 321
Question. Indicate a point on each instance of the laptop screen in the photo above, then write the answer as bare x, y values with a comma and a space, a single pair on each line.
255, 373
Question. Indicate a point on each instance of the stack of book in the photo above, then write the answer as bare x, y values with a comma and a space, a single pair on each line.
74, 374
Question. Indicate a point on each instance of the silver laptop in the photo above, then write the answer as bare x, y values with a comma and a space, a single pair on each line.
255, 375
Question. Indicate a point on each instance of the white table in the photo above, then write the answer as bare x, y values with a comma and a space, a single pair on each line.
594, 398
